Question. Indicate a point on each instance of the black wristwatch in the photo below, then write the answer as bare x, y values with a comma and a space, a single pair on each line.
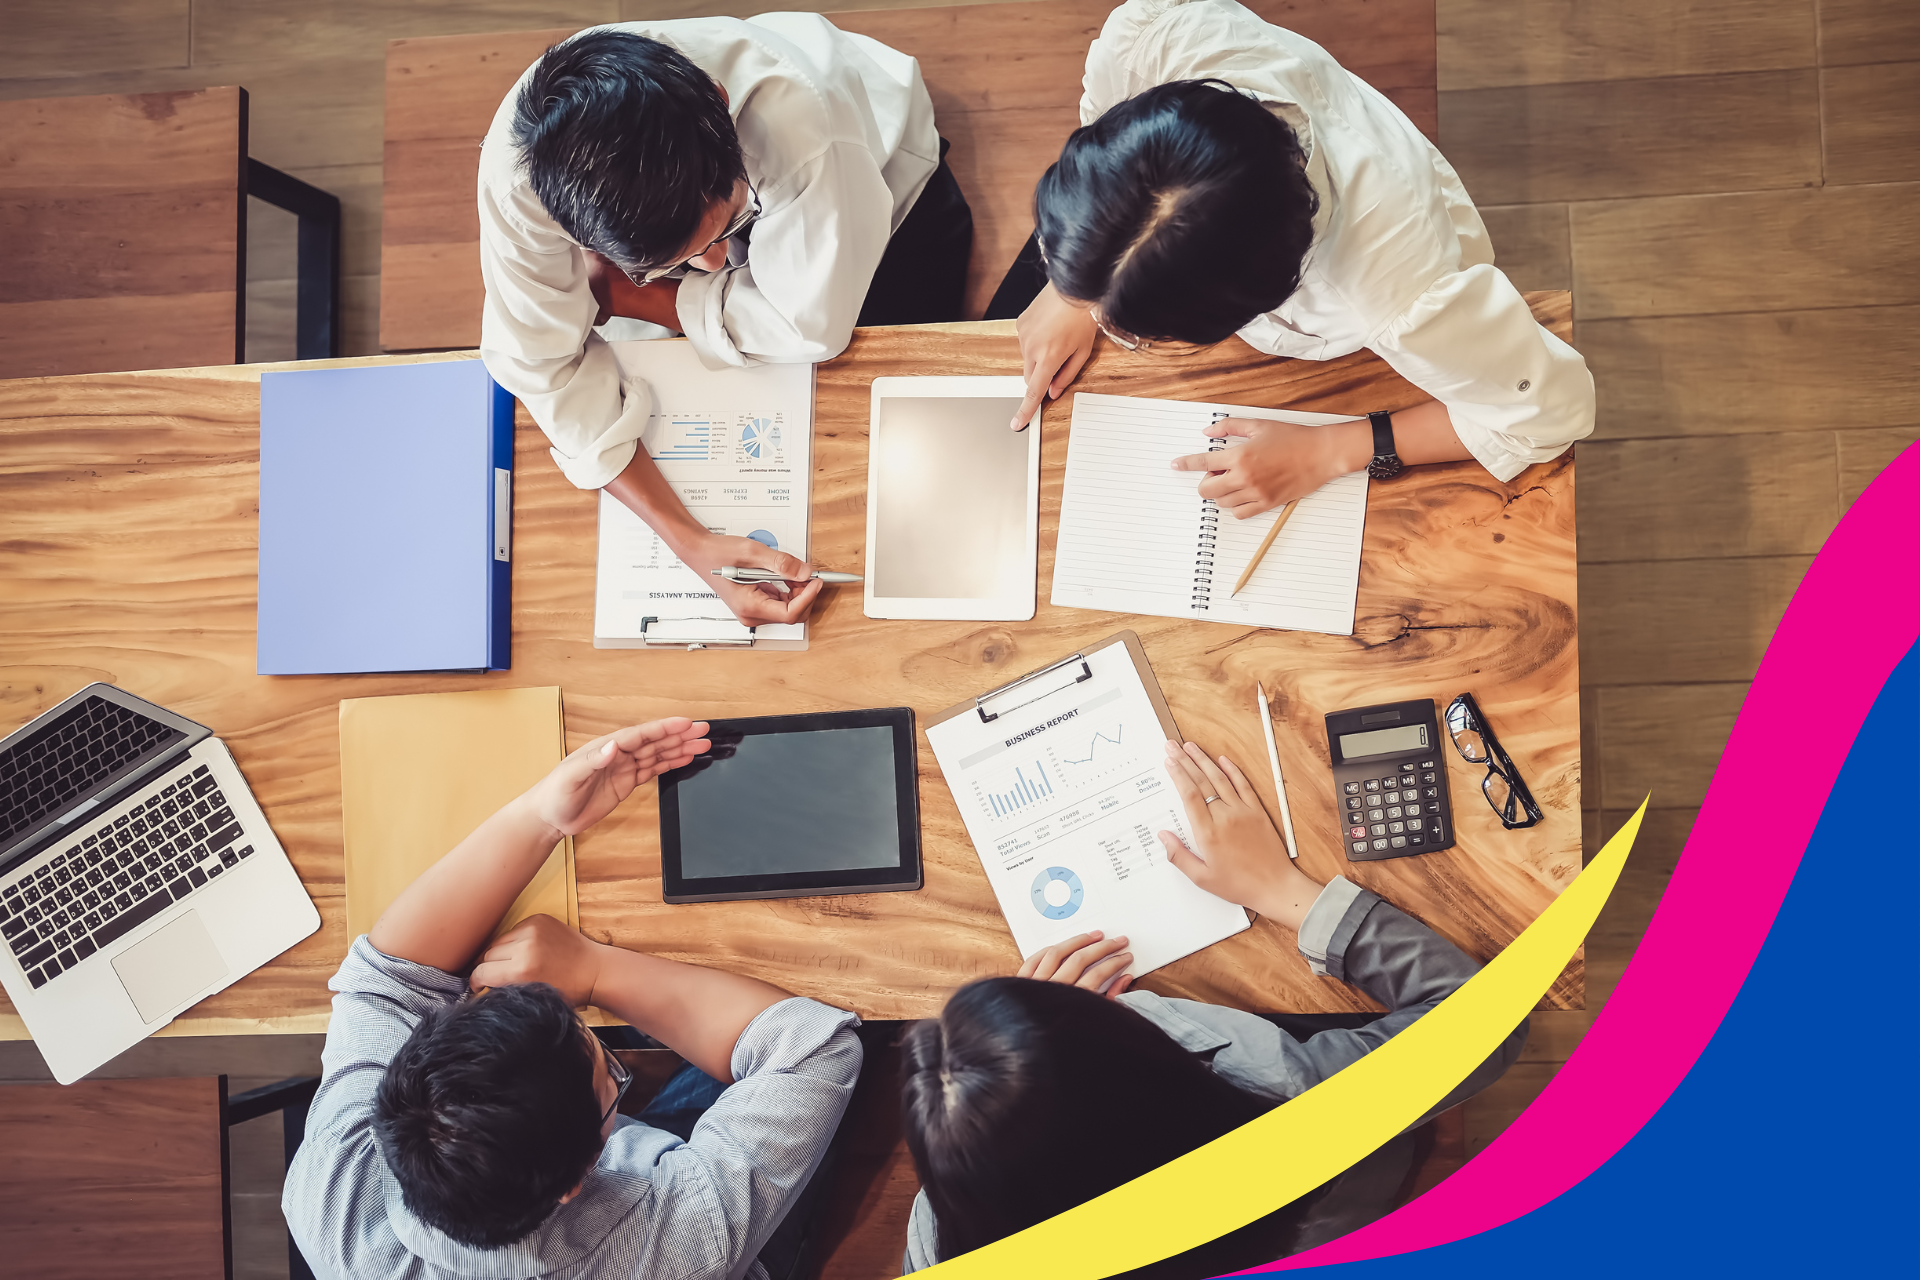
1386, 463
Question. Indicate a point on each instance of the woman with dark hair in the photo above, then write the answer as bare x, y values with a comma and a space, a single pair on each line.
1231, 177
1032, 1094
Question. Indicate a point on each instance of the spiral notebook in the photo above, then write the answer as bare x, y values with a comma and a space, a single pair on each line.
1136, 537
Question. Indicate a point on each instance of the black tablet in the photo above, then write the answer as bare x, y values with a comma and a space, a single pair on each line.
794, 806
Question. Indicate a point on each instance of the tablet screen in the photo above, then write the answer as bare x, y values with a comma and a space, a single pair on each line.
779, 803
950, 484
784, 806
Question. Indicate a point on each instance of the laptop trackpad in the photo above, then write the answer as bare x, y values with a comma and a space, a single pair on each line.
168, 967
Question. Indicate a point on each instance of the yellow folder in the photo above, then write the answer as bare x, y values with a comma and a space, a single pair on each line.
421, 771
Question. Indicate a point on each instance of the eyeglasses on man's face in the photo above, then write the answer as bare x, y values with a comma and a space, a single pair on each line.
618, 1073
740, 222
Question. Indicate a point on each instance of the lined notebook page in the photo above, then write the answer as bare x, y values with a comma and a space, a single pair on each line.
1135, 536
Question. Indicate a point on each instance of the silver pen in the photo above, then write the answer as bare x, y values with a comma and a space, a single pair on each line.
734, 574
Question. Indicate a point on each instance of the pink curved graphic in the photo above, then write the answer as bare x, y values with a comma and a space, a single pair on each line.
1854, 617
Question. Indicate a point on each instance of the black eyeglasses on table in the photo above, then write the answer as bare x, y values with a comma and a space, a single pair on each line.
1502, 786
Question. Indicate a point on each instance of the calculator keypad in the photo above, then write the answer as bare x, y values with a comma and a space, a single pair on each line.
1399, 810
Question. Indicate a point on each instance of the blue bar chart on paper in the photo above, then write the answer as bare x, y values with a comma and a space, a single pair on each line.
1015, 789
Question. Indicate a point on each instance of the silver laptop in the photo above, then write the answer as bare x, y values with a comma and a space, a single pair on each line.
137, 875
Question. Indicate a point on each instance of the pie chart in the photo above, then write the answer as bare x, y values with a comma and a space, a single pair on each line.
1057, 893
759, 438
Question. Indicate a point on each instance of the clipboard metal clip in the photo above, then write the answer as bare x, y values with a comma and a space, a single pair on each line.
1062, 677
664, 639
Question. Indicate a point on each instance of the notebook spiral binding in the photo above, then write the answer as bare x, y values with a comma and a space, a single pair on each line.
1209, 537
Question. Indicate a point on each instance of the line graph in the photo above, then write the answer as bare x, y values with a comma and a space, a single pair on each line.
1097, 758
1093, 746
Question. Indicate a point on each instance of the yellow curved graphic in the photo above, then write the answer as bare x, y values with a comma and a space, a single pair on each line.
1297, 1146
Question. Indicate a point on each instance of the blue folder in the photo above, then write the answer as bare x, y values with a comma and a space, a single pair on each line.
385, 505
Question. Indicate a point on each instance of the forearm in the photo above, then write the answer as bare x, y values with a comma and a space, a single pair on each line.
444, 917
644, 491
697, 1012
1421, 434
657, 303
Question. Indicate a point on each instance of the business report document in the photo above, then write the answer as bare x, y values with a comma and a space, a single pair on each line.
1137, 537
1064, 798
736, 444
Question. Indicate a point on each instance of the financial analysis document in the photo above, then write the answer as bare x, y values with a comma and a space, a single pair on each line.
1064, 799
737, 447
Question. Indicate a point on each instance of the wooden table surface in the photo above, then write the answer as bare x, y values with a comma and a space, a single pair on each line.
122, 217
129, 516
1005, 84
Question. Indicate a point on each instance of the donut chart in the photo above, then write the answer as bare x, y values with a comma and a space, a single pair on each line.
1075, 892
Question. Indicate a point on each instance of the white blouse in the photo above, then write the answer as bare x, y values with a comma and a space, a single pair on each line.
1400, 263
838, 137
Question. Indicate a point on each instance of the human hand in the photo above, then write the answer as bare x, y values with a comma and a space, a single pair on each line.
1090, 960
755, 603
1238, 855
587, 785
1056, 337
1279, 462
541, 949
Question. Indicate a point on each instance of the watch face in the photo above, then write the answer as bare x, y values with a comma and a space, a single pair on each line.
1385, 466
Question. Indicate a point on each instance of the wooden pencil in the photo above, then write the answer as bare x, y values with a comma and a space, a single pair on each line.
1286, 514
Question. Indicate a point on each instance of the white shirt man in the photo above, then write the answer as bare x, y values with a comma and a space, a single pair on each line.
837, 136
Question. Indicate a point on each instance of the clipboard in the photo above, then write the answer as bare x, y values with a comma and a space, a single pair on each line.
1064, 674
1062, 786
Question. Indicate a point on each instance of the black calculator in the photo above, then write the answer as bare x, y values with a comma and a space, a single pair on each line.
1390, 780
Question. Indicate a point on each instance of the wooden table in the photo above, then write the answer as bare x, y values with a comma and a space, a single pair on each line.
128, 505
1005, 83
124, 221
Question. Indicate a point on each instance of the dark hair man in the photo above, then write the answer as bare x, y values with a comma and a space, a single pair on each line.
760, 186
1230, 177
468, 1125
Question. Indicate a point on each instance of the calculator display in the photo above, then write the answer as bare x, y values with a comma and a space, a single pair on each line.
1410, 737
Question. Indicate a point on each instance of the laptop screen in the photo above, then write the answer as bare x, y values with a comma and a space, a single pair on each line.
73, 756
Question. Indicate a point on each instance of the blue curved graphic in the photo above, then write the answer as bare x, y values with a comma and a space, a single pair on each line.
1788, 1149
765, 539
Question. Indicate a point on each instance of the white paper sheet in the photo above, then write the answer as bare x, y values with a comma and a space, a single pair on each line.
737, 446
1134, 537
1064, 799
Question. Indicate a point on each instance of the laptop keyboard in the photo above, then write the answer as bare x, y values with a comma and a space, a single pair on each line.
108, 883
86, 746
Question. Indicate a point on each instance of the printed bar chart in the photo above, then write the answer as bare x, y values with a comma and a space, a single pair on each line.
1016, 789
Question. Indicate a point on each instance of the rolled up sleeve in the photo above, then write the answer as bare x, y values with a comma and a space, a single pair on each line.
536, 336
1516, 394
750, 1154
810, 258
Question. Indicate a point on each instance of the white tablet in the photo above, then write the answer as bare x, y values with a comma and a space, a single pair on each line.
953, 501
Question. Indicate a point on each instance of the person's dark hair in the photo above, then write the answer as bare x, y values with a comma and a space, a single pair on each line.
627, 144
1184, 212
1026, 1098
487, 1115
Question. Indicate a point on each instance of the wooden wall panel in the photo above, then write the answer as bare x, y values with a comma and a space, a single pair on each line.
112, 1177
121, 215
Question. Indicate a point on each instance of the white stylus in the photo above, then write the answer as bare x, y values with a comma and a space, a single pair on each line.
1279, 787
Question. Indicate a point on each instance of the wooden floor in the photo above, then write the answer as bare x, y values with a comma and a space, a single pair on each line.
1731, 188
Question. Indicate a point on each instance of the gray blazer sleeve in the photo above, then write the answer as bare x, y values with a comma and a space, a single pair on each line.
1352, 935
